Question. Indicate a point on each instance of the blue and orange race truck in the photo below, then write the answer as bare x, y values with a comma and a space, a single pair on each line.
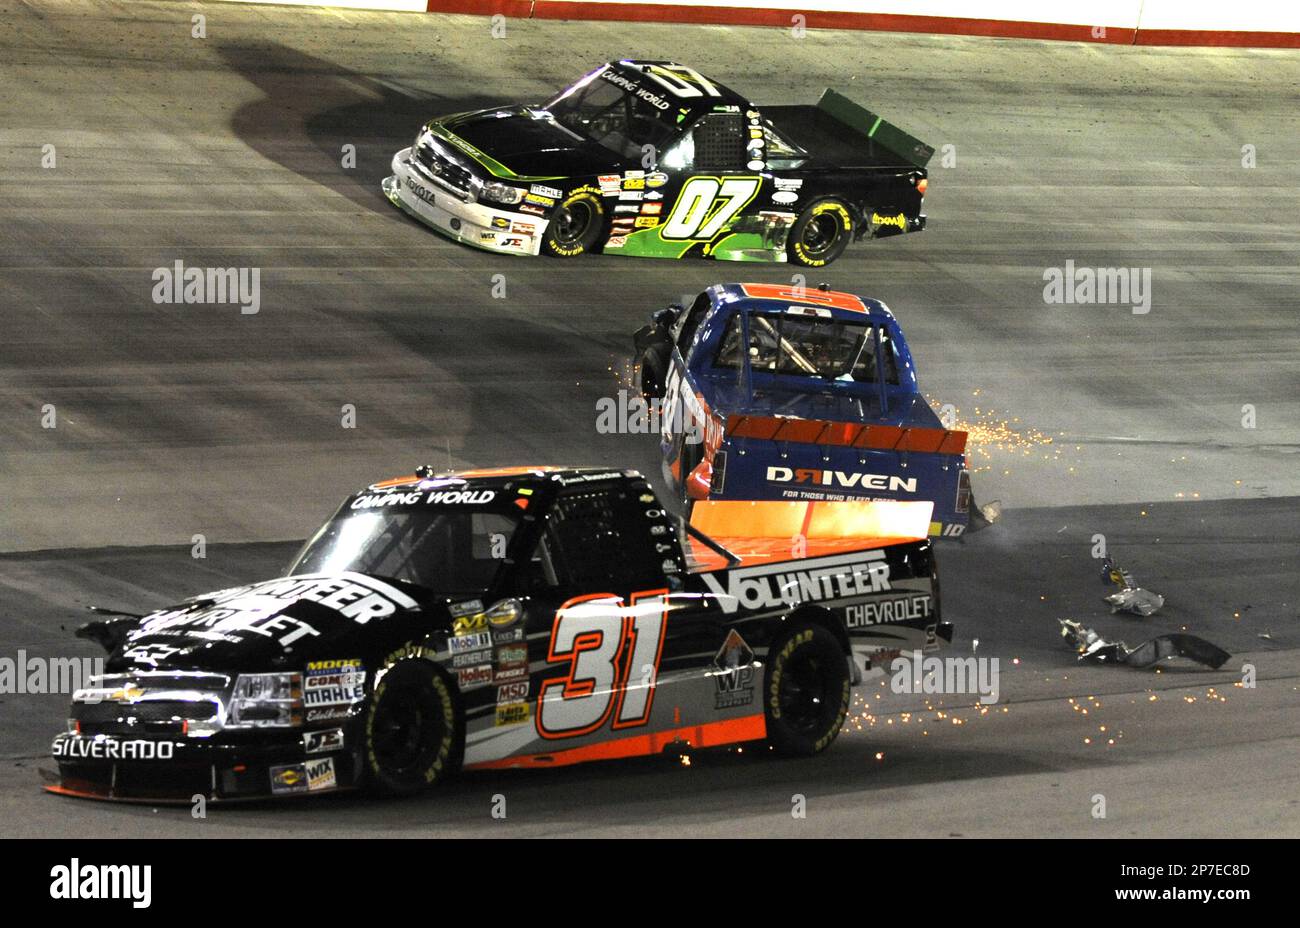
770, 392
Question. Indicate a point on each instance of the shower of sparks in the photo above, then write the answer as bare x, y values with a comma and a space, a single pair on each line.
987, 430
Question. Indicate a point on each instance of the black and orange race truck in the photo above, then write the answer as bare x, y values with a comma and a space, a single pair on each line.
506, 618
653, 159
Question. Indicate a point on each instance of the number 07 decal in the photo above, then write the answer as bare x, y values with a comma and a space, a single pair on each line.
706, 205
613, 650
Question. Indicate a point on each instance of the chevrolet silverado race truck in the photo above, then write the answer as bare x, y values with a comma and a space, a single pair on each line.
768, 392
651, 158
518, 617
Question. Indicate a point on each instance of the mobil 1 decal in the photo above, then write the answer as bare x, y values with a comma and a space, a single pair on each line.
701, 216
608, 650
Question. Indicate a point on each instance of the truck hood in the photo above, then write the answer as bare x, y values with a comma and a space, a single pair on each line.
265, 626
528, 143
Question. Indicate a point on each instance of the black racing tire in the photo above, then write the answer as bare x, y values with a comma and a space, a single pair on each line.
412, 733
805, 690
820, 234
576, 224
652, 372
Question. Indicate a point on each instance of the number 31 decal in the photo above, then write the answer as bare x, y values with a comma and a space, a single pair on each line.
613, 651
706, 205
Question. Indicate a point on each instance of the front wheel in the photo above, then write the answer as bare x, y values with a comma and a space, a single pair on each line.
805, 691
575, 226
412, 730
820, 234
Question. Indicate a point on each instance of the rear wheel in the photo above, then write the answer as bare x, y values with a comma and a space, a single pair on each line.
805, 691
575, 226
412, 730
820, 234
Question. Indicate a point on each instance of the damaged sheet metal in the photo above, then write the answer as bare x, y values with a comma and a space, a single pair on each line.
1129, 597
1091, 646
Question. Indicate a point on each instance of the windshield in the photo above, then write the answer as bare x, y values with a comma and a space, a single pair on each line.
806, 346
614, 112
442, 549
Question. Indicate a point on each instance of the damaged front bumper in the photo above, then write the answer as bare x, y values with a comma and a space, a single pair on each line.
455, 213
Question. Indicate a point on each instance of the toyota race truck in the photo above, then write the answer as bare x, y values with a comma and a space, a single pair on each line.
518, 617
651, 158
768, 392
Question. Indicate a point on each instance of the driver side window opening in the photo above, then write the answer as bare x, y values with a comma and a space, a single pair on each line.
592, 536
716, 143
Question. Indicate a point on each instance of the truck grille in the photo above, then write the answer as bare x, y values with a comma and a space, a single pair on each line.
150, 701
444, 171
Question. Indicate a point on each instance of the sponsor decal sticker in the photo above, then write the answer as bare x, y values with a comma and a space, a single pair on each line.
329, 714
472, 659
333, 683
848, 480
512, 692
468, 624
101, 747
290, 778
318, 742
887, 612
787, 584
899, 222
462, 644
468, 677
468, 607
513, 713
320, 774
542, 191
733, 673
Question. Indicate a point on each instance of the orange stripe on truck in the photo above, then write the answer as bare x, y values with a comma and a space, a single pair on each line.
710, 734
846, 434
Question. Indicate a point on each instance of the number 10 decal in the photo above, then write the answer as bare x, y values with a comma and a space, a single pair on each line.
613, 650
706, 205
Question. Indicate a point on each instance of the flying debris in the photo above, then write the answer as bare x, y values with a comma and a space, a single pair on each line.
1129, 598
1091, 646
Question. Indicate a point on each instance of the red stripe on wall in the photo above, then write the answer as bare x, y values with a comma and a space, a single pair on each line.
876, 22
1235, 39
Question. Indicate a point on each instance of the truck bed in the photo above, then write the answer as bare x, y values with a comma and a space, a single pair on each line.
830, 143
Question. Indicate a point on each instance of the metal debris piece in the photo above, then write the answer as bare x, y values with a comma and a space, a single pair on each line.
1130, 597
1091, 646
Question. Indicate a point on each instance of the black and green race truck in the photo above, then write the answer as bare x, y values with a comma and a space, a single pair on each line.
653, 159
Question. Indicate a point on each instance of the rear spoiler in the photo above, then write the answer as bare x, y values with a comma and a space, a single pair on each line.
884, 134
767, 531
846, 434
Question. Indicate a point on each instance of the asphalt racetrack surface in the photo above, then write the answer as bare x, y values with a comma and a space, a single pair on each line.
1175, 433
